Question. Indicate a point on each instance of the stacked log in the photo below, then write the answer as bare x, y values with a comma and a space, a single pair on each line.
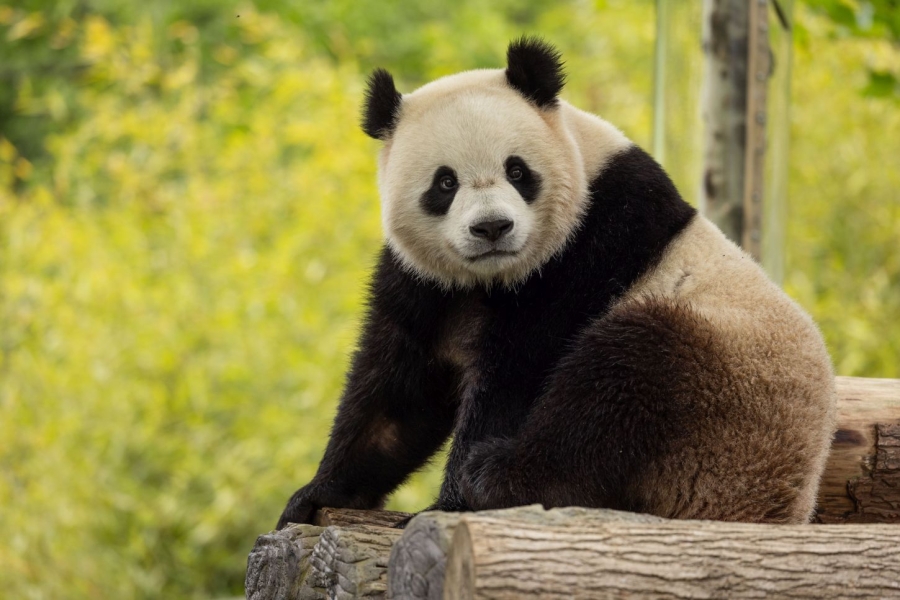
577, 552
344, 555
418, 562
499, 558
861, 483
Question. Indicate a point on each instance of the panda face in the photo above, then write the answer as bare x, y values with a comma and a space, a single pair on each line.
477, 184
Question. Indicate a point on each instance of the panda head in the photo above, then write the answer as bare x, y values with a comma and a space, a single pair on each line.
480, 180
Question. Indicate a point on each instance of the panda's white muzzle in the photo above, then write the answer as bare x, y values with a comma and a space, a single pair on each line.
488, 223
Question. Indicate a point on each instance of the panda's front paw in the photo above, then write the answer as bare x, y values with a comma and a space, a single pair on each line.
490, 477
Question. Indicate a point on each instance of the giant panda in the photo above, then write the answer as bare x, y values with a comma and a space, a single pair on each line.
546, 297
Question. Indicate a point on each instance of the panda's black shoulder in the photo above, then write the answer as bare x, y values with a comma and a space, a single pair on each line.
633, 213
636, 211
397, 296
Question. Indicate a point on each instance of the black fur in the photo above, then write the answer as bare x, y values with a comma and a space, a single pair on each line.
437, 201
535, 69
398, 404
532, 356
381, 107
620, 403
529, 185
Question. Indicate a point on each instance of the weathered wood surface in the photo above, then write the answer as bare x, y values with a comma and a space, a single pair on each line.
342, 517
346, 558
862, 477
418, 559
278, 566
500, 558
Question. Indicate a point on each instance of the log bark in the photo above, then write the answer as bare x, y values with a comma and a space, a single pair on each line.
416, 567
861, 483
419, 558
498, 558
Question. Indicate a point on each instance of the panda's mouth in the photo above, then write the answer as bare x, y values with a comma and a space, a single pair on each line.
491, 254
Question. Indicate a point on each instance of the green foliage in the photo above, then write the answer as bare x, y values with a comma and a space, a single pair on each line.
844, 202
873, 20
188, 215
179, 301
865, 18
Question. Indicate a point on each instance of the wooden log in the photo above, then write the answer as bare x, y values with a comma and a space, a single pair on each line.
861, 483
416, 567
278, 566
418, 560
352, 561
497, 558
342, 517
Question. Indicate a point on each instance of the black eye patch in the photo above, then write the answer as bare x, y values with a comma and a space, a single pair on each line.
437, 200
526, 181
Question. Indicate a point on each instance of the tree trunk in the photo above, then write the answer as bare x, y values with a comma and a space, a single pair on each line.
724, 109
500, 558
733, 103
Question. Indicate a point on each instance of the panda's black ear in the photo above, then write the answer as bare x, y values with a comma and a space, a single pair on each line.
535, 69
382, 105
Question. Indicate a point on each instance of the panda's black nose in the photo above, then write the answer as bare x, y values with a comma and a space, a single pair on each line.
492, 230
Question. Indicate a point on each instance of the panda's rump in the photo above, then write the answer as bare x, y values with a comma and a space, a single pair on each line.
746, 377
700, 433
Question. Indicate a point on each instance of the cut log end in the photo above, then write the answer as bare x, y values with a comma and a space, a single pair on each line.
347, 558
278, 564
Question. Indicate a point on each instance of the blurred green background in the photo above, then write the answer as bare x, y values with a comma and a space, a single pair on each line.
188, 217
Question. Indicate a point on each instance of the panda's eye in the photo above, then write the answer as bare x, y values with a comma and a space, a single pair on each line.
521, 177
447, 183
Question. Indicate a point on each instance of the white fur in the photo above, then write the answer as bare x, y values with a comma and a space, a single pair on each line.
472, 122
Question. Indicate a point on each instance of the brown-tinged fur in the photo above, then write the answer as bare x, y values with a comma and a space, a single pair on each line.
763, 391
